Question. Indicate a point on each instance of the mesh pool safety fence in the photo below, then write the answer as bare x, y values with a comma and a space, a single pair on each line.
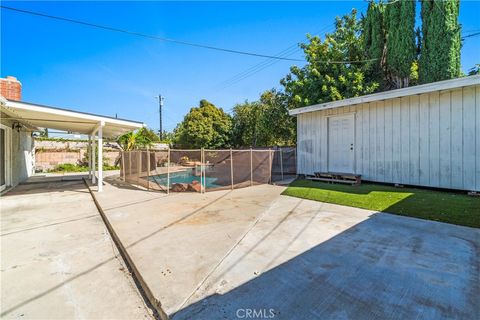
202, 170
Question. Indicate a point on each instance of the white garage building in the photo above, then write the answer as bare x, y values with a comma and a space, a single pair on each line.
427, 135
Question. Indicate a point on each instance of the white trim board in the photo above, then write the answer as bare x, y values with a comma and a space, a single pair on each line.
40, 116
69, 113
424, 88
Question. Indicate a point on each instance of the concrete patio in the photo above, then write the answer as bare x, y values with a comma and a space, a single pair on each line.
57, 259
220, 254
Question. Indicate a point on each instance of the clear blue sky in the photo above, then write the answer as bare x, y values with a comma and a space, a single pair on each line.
92, 70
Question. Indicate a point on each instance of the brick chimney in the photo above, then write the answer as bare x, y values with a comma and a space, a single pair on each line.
11, 88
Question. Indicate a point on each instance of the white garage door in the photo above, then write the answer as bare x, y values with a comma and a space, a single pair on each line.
341, 137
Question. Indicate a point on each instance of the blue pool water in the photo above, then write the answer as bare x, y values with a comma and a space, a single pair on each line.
183, 177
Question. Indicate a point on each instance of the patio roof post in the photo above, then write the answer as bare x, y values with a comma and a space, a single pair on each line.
202, 170
251, 167
270, 164
168, 171
89, 151
94, 177
231, 167
100, 156
281, 161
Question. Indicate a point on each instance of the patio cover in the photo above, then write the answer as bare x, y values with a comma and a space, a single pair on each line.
41, 116
34, 116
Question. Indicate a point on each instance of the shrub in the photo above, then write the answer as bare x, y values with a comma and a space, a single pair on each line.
69, 167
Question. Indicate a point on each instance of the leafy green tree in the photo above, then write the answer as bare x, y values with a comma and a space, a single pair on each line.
145, 137
204, 126
279, 128
141, 138
374, 42
401, 45
168, 137
441, 41
334, 68
127, 141
246, 124
265, 122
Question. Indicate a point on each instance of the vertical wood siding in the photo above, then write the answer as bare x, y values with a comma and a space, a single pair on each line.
431, 139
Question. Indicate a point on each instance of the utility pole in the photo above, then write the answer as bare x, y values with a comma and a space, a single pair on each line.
160, 106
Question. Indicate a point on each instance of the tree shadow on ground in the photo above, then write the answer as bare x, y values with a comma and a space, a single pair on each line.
386, 267
117, 182
439, 205
46, 187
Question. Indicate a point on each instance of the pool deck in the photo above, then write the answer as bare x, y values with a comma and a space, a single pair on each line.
213, 255
57, 259
181, 234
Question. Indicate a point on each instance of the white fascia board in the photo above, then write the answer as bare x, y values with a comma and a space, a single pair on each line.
72, 114
11, 113
424, 88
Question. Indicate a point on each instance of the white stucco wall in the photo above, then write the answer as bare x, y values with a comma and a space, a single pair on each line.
21, 147
23, 160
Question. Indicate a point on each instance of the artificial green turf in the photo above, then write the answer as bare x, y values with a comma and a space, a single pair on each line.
441, 206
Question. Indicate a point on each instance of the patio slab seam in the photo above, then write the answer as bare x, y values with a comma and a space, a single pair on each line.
235, 245
144, 289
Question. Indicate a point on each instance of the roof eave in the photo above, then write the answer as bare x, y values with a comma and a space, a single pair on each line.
73, 113
82, 123
424, 88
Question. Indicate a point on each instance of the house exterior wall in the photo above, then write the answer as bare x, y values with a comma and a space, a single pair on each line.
21, 156
23, 161
430, 139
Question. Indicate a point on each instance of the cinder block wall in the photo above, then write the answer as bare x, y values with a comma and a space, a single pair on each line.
49, 154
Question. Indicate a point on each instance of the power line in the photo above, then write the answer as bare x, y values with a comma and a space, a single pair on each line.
262, 65
285, 53
250, 71
134, 33
471, 35
319, 61
265, 64
444, 16
257, 68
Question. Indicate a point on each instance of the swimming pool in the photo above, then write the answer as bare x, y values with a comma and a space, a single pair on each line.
186, 176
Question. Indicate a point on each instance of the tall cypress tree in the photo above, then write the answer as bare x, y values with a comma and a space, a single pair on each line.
401, 48
441, 41
374, 42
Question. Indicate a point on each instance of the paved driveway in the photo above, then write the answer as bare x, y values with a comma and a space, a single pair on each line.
308, 260
58, 261
255, 253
